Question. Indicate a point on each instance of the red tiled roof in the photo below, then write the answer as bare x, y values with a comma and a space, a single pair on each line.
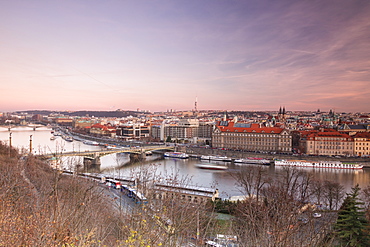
328, 134
362, 135
98, 126
255, 128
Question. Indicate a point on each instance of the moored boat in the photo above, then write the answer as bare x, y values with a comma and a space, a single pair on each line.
87, 142
211, 167
67, 138
252, 160
318, 164
111, 147
216, 158
205, 157
178, 155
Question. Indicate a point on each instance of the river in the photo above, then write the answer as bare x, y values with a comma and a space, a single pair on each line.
183, 169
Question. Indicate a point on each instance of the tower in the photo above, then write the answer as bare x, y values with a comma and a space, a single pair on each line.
281, 114
196, 104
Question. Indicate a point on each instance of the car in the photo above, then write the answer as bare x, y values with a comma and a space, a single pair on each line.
316, 215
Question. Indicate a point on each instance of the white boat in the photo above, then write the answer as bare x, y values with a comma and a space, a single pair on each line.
111, 147
216, 158
204, 157
53, 138
211, 167
253, 160
318, 164
178, 155
94, 143
67, 138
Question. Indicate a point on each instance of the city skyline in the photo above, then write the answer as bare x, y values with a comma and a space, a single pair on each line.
160, 55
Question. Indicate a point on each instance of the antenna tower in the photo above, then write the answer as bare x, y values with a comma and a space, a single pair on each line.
195, 105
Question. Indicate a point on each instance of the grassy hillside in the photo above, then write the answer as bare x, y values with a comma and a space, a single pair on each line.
41, 207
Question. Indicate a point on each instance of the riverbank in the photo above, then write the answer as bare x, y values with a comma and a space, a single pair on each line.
244, 154
199, 151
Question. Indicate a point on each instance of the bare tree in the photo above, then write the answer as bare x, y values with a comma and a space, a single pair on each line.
333, 194
251, 179
275, 219
42, 207
365, 197
304, 187
317, 191
171, 216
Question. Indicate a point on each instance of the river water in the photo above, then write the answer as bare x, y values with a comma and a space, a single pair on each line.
113, 165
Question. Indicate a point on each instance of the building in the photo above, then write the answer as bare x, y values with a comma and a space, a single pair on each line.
205, 130
81, 123
184, 130
134, 131
352, 129
362, 144
180, 132
326, 142
63, 121
103, 130
155, 132
187, 193
251, 137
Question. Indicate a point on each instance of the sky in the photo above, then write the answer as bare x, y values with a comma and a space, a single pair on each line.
158, 55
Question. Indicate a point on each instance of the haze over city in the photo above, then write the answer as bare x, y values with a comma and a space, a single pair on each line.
159, 55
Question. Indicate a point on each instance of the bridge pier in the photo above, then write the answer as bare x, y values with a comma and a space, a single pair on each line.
92, 164
135, 157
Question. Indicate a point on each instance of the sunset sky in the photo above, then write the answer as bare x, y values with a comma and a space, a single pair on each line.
157, 55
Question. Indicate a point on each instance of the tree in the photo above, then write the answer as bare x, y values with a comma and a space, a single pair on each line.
170, 217
366, 199
40, 206
333, 194
270, 215
317, 191
251, 179
351, 223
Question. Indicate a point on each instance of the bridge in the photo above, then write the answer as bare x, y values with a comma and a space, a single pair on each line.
101, 153
13, 126
92, 158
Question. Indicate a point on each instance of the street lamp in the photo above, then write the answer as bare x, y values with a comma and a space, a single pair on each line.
10, 139
30, 144
10, 142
